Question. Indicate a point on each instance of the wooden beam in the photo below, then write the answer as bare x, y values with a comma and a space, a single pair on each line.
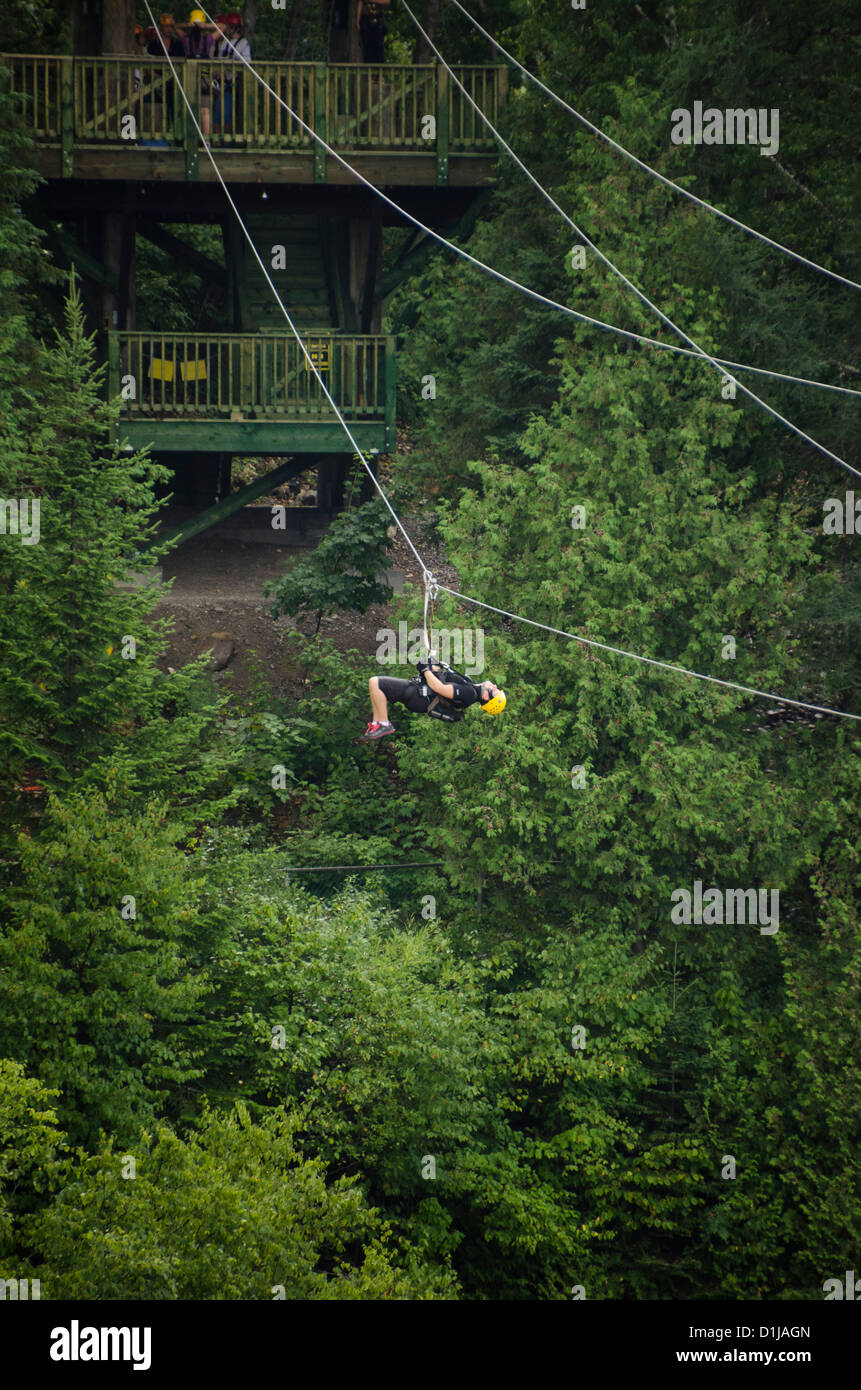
67, 251
250, 436
297, 167
204, 266
211, 516
421, 252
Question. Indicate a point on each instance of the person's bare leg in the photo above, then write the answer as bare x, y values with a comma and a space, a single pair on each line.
379, 703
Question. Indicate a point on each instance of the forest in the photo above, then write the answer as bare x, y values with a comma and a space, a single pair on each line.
527, 1058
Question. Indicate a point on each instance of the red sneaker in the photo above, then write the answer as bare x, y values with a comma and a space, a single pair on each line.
377, 730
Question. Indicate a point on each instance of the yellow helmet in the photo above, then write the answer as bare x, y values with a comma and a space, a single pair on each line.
197, 17
495, 705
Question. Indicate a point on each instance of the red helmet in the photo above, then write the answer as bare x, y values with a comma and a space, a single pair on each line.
234, 20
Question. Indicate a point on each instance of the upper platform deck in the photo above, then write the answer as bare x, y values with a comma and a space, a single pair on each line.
122, 118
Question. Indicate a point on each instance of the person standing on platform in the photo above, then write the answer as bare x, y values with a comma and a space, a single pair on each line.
232, 48
165, 40
199, 44
371, 24
167, 31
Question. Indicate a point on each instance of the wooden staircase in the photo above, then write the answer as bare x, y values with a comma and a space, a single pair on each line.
309, 283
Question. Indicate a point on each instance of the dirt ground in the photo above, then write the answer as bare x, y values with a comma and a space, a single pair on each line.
218, 587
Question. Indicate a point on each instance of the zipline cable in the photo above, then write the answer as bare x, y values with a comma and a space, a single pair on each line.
515, 284
614, 269
428, 579
308, 357
648, 660
360, 868
647, 168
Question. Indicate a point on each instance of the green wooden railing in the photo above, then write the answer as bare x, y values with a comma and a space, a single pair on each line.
75, 102
252, 376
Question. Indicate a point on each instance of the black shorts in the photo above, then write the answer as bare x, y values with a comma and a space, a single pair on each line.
401, 692
373, 36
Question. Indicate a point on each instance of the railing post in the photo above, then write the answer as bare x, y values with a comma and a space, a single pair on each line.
501, 91
321, 89
191, 87
67, 116
249, 131
114, 370
113, 366
442, 129
391, 393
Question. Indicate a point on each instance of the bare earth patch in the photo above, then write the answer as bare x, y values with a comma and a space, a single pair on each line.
218, 588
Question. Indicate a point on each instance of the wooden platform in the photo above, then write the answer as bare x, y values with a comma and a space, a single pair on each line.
253, 393
124, 118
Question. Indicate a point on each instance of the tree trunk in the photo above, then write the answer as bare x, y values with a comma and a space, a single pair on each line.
118, 24
422, 53
249, 15
342, 36
85, 29
294, 33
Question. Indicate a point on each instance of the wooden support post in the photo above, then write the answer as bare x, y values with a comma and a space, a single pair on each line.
248, 87
112, 243
321, 88
332, 471
127, 305
442, 126
67, 116
501, 78
391, 394
113, 366
373, 257
191, 87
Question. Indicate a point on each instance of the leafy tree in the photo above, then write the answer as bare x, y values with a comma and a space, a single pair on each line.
30, 1142
96, 990
233, 1212
342, 572
81, 692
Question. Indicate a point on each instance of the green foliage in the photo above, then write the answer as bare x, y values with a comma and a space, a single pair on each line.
342, 572
284, 1060
233, 1213
29, 1145
82, 694
96, 1001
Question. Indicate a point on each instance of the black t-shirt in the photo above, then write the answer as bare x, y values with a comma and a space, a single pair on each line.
175, 48
466, 693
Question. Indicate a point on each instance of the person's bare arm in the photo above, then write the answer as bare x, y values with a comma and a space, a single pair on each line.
359, 9
435, 684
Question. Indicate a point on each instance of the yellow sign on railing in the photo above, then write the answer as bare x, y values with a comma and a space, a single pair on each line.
193, 371
319, 356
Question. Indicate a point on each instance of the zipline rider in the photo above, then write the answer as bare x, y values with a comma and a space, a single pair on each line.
427, 693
